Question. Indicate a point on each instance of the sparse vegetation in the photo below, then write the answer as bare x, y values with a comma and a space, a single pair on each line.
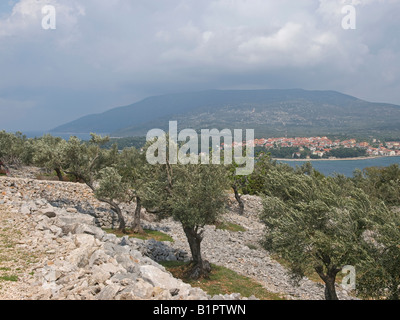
221, 280
145, 235
13, 278
229, 226
251, 246
13, 260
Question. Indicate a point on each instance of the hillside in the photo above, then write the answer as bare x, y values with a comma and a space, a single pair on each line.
54, 247
269, 112
49, 252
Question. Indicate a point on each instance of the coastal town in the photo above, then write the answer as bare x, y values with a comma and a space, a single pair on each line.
323, 147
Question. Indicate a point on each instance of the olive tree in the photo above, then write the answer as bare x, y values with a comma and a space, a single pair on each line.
193, 194
129, 164
382, 183
238, 183
11, 148
111, 189
94, 166
314, 223
380, 276
49, 153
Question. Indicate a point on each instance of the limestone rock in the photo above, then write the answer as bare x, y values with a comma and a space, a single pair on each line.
109, 292
164, 280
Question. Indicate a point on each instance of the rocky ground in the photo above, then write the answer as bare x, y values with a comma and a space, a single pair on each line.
52, 244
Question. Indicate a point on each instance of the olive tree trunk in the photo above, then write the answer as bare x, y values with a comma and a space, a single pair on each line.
201, 268
118, 211
330, 290
238, 199
329, 279
136, 227
59, 174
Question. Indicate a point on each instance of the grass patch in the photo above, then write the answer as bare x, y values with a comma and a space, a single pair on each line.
221, 281
12, 278
147, 235
229, 226
251, 246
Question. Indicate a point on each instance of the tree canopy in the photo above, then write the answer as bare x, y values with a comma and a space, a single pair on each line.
322, 224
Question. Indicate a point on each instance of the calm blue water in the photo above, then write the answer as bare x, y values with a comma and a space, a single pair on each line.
347, 167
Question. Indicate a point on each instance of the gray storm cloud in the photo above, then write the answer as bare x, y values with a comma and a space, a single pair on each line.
109, 53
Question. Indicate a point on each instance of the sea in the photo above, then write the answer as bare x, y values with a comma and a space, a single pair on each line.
66, 136
346, 167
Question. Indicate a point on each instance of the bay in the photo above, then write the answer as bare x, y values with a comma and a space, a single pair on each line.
346, 167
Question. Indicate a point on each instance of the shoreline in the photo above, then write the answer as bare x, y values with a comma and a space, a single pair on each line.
336, 159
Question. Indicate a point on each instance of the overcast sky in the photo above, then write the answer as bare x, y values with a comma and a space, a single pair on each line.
110, 53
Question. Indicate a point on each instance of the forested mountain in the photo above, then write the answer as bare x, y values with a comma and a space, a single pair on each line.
269, 112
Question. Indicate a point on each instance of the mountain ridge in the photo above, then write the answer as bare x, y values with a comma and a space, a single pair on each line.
269, 112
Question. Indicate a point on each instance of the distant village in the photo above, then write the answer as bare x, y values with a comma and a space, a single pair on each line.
322, 146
